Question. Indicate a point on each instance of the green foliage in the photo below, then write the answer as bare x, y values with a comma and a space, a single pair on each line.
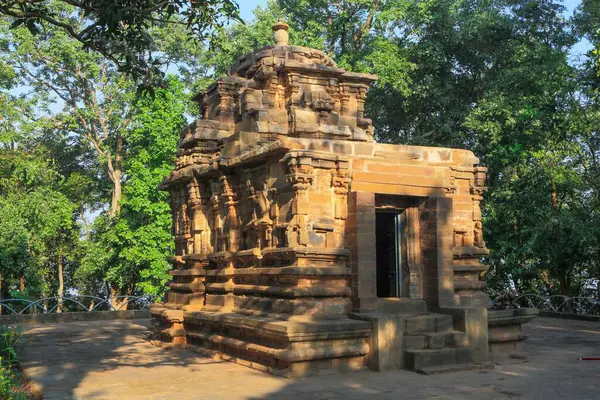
10, 339
586, 22
129, 251
6, 383
118, 31
37, 220
107, 145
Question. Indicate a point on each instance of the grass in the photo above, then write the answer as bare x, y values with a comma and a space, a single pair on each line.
12, 382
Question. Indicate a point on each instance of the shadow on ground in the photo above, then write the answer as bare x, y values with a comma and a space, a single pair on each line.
112, 360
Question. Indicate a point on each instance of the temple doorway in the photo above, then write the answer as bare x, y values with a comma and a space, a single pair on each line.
391, 263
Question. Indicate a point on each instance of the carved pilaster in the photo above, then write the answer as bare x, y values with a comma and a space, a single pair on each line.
215, 205
300, 176
181, 220
477, 189
340, 181
361, 97
345, 98
231, 225
198, 201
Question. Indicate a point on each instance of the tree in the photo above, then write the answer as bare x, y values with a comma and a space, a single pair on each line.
96, 143
118, 31
37, 222
129, 252
96, 98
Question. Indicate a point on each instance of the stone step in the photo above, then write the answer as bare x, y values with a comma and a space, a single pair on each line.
396, 305
420, 359
443, 369
434, 340
427, 323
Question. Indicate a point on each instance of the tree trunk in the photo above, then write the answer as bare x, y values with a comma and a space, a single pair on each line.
59, 308
565, 290
22, 283
554, 197
117, 193
547, 281
117, 303
115, 172
2, 297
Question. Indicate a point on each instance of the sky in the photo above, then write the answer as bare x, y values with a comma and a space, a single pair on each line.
247, 6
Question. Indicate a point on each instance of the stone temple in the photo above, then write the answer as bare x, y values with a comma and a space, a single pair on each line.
305, 247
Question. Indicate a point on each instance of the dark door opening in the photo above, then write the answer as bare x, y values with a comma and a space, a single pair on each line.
388, 245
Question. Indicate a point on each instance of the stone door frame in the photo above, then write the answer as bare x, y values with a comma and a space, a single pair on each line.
430, 257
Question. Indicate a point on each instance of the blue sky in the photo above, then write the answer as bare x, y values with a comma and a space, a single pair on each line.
246, 7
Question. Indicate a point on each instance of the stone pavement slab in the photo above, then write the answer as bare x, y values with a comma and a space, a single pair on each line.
113, 360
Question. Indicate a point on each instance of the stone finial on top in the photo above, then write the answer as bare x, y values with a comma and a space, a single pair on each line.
280, 33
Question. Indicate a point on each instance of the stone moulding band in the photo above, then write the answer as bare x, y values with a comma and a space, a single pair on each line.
359, 349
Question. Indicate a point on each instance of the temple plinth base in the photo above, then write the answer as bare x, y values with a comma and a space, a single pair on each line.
168, 324
505, 336
285, 348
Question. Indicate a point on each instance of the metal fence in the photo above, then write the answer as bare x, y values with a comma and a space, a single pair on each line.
88, 303
74, 303
560, 304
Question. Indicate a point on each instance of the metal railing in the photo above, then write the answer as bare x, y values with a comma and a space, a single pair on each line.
87, 303
558, 303
74, 303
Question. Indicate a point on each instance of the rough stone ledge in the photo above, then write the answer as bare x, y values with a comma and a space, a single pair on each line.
479, 367
165, 312
320, 351
294, 331
511, 317
303, 271
477, 267
503, 337
467, 284
294, 291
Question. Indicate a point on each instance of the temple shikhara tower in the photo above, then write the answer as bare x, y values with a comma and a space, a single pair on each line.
303, 246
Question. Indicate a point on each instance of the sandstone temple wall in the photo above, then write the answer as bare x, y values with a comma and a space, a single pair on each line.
298, 196
274, 196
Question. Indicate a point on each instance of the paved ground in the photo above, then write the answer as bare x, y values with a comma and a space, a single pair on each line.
111, 360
